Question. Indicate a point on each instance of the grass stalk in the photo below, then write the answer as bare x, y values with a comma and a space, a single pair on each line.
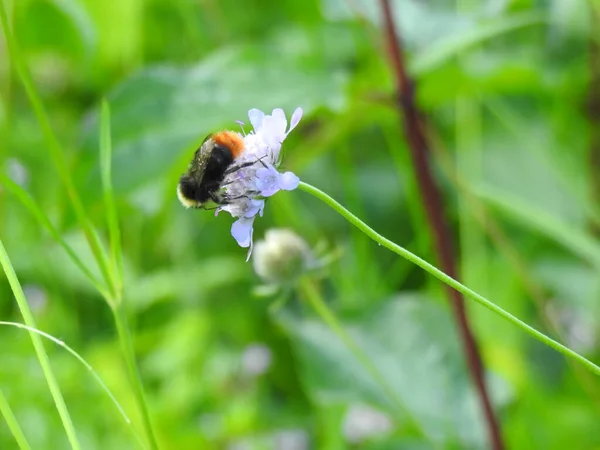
40, 351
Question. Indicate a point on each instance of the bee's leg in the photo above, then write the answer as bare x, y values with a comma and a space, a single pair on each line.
217, 199
220, 201
247, 195
241, 166
246, 164
260, 160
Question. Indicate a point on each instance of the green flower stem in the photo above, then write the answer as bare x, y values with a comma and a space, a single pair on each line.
311, 294
445, 278
120, 317
40, 351
13, 424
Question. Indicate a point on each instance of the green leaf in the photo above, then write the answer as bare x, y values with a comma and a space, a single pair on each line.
412, 342
159, 114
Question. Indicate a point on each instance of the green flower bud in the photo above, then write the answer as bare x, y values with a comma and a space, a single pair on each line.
281, 257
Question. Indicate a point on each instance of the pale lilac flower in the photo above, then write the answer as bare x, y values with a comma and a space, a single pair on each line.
269, 181
258, 176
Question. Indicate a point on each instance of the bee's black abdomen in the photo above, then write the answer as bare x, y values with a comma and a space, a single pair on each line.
189, 188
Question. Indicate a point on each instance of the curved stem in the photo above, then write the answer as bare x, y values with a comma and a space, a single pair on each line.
85, 364
420, 150
401, 251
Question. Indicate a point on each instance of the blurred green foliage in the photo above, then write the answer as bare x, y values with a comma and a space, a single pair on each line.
506, 86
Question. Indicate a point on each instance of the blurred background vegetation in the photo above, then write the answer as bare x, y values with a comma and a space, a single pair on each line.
511, 91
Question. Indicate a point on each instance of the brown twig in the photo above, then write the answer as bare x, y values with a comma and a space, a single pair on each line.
418, 145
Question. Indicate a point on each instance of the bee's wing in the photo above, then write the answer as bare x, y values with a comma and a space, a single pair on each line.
198, 165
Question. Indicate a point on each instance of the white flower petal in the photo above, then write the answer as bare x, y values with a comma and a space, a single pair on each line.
279, 114
273, 136
278, 124
256, 117
295, 119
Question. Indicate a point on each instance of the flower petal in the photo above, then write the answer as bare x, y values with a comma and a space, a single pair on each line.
273, 132
254, 207
267, 181
242, 230
261, 210
247, 188
279, 114
295, 119
270, 190
278, 122
288, 181
256, 117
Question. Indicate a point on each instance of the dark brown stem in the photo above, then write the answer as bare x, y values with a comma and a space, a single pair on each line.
431, 196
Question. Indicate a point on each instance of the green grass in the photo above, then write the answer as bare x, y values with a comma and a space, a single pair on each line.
13, 424
100, 112
40, 351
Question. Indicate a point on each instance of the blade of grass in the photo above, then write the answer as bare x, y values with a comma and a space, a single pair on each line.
360, 250
577, 241
54, 149
513, 121
13, 424
469, 162
109, 199
120, 317
416, 214
85, 364
116, 269
6, 87
447, 49
43, 219
40, 351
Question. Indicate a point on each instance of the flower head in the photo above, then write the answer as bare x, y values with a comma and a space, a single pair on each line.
282, 256
256, 176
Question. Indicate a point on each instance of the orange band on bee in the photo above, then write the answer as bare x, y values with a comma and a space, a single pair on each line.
230, 139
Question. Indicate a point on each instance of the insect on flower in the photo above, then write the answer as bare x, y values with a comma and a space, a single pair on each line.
237, 173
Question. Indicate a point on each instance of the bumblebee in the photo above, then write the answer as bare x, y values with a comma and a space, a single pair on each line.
214, 159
